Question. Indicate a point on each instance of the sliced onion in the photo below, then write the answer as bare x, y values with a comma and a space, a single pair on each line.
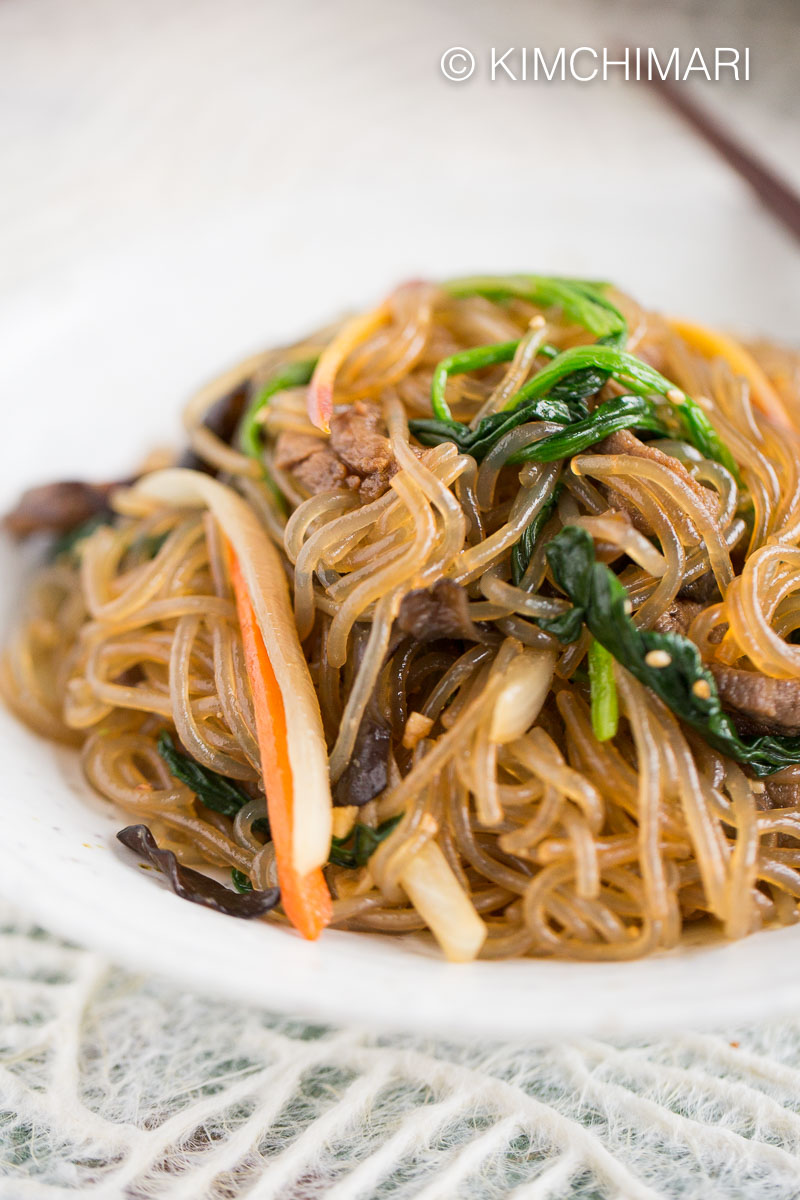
269, 595
526, 682
443, 904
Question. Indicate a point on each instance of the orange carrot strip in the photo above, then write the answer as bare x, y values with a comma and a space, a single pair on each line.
305, 898
713, 344
320, 390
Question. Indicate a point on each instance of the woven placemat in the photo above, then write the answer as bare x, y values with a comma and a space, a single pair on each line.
143, 121
121, 1086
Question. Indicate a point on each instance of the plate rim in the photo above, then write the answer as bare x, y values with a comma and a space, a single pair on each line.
395, 991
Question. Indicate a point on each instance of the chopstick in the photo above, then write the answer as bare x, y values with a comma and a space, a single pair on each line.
775, 193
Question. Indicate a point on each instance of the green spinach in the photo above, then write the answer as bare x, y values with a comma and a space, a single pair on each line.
295, 374
604, 703
522, 550
361, 842
683, 683
215, 791
67, 545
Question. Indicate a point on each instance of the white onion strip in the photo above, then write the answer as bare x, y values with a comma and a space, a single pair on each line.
443, 904
269, 595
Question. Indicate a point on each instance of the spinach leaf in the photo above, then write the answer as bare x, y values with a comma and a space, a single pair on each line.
67, 545
622, 412
226, 797
582, 301
588, 380
193, 885
572, 390
478, 442
573, 374
581, 430
215, 791
241, 881
291, 375
460, 364
522, 551
642, 380
578, 371
355, 850
682, 682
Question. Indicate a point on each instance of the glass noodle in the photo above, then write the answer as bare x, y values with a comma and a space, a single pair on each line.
457, 721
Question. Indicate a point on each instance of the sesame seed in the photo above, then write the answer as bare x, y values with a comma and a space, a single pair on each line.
757, 787
676, 396
627, 607
537, 322
702, 689
658, 658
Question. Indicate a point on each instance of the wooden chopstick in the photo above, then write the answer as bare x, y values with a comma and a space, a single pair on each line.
775, 193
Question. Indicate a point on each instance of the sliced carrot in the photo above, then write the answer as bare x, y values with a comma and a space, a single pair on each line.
713, 344
305, 898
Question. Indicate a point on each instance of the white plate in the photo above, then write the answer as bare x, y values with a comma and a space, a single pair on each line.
59, 858
106, 344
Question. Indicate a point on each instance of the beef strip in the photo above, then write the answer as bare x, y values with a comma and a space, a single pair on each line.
758, 703
441, 611
356, 439
312, 463
57, 507
703, 590
357, 455
625, 442
780, 793
678, 617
